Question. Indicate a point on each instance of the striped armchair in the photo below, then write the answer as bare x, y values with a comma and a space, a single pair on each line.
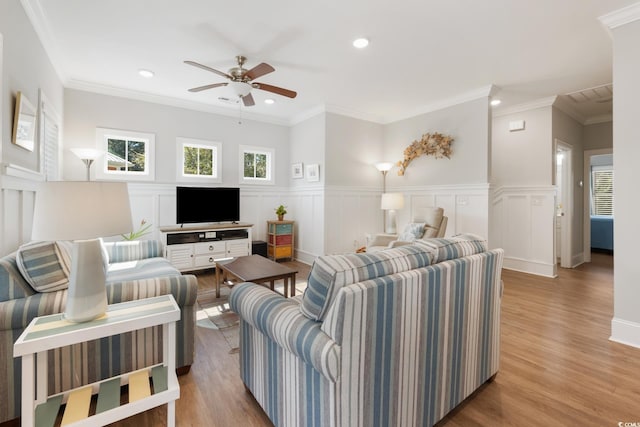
136, 270
395, 338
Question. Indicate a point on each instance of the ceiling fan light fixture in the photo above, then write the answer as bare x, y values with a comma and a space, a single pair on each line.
241, 89
269, 101
361, 43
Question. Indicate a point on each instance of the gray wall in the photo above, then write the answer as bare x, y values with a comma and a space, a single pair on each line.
84, 111
523, 157
307, 146
626, 152
25, 68
467, 123
598, 136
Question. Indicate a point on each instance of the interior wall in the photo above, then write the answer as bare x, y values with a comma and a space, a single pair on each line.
598, 136
522, 219
570, 131
626, 152
26, 69
468, 123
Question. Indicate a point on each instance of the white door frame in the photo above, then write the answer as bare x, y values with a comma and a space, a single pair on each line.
566, 237
587, 199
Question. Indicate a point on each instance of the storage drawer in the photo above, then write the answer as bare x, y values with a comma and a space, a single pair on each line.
210, 247
280, 252
205, 260
285, 239
280, 228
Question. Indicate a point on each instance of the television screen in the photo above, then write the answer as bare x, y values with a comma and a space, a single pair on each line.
207, 204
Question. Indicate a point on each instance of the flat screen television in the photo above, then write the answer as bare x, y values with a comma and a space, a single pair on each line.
207, 204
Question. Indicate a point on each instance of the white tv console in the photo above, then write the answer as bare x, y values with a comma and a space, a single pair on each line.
196, 247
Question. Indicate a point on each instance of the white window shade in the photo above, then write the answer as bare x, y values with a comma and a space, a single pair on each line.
602, 191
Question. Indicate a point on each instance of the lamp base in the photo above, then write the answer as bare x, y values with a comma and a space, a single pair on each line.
390, 226
87, 295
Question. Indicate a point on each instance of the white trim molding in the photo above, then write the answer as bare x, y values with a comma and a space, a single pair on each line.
625, 332
621, 17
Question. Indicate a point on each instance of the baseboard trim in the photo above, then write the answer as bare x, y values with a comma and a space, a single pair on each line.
304, 257
531, 267
625, 332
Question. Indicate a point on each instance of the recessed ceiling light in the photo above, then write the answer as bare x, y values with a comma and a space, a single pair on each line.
147, 74
361, 43
269, 101
495, 102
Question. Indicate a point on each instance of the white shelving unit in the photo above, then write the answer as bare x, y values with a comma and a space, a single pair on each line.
50, 332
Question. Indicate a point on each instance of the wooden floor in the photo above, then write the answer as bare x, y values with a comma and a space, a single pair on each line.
558, 367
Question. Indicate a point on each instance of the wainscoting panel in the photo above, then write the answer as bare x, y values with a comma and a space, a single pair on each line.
307, 208
522, 223
17, 199
466, 206
351, 214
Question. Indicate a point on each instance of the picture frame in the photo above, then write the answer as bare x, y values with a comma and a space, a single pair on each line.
313, 173
24, 123
297, 171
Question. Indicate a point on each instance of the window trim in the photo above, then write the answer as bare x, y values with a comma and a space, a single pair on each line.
271, 165
216, 146
101, 171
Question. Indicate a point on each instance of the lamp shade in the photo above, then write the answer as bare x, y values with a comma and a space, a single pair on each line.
392, 201
69, 210
86, 153
384, 166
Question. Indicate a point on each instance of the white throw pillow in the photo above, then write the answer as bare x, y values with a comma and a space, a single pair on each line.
412, 231
45, 265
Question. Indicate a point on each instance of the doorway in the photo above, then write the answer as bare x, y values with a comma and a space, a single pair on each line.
589, 155
563, 178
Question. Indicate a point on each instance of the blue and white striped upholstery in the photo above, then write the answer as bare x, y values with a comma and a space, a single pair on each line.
332, 272
81, 364
453, 247
46, 266
132, 250
412, 346
140, 269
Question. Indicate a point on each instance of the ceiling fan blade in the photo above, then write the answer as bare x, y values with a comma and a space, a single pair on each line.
276, 89
204, 67
211, 86
259, 71
248, 100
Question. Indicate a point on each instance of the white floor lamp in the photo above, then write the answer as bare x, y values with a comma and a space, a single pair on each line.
83, 212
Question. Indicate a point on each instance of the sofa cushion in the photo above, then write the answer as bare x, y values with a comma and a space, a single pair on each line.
453, 247
331, 272
12, 284
140, 269
45, 266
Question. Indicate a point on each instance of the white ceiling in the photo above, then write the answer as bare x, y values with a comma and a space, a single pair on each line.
423, 53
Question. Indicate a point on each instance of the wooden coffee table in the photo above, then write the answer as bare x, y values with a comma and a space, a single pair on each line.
257, 269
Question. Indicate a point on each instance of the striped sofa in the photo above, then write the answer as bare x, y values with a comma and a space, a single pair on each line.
136, 270
395, 338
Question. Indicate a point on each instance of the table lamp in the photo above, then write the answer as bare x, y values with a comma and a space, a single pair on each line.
391, 202
83, 212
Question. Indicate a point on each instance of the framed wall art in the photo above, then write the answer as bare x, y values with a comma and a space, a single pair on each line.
24, 123
313, 173
297, 171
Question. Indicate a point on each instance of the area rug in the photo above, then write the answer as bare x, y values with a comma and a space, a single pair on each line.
215, 313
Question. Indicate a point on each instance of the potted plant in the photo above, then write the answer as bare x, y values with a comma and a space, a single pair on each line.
281, 211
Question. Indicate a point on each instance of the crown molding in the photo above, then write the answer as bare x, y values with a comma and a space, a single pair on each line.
483, 92
174, 102
344, 111
305, 115
621, 17
564, 106
526, 106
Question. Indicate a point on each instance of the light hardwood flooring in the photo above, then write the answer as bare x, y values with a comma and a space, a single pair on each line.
558, 367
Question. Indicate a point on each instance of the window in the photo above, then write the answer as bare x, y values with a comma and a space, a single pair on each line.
128, 155
601, 191
256, 165
198, 160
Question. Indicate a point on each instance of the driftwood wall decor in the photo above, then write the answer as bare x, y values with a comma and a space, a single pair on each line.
431, 144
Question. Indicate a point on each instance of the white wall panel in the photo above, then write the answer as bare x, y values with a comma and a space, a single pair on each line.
523, 225
17, 199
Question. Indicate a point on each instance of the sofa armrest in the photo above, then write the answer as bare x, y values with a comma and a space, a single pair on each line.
280, 319
381, 239
132, 250
18, 313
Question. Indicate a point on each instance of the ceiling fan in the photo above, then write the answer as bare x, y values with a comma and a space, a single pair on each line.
241, 80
